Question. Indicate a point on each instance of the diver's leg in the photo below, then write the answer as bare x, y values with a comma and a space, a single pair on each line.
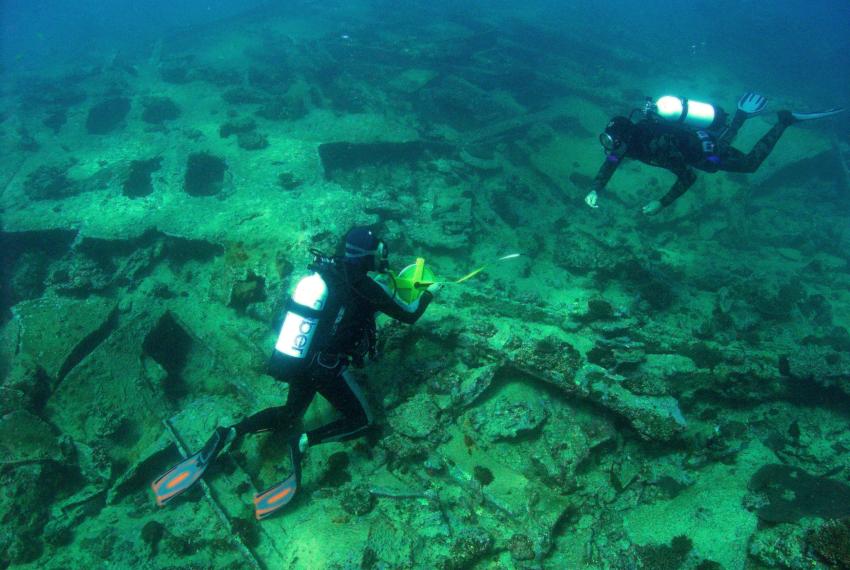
733, 160
344, 394
731, 131
281, 418
749, 105
340, 389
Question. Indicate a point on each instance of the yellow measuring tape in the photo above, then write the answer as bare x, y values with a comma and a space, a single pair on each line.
415, 278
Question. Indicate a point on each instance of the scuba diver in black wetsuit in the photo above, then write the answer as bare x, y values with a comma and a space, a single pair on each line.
329, 326
682, 135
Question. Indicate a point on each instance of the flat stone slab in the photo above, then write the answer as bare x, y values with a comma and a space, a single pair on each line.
105, 398
56, 331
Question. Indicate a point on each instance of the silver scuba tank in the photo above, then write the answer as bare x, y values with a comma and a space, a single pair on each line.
687, 112
303, 317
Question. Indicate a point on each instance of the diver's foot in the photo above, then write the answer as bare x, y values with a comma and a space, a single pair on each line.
219, 441
297, 448
279, 495
185, 474
275, 497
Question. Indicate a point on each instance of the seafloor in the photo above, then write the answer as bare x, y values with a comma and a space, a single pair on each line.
631, 393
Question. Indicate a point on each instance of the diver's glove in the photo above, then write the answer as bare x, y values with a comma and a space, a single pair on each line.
652, 208
752, 103
591, 199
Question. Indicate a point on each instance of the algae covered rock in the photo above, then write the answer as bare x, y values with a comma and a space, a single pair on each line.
506, 418
25, 437
25, 387
357, 500
666, 557
36, 485
780, 547
653, 417
416, 418
50, 182
473, 383
469, 545
831, 542
252, 140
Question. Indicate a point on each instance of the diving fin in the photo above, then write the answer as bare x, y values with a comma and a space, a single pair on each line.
278, 496
268, 502
817, 115
186, 473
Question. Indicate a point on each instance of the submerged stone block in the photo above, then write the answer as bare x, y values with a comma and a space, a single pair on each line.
107, 115
204, 174
106, 397
59, 333
338, 156
157, 110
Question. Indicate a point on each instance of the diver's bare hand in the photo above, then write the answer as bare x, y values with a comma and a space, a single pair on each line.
435, 288
591, 199
652, 208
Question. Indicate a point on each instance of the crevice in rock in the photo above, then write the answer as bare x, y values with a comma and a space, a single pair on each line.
252, 289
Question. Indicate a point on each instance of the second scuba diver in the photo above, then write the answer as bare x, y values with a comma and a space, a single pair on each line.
329, 326
681, 135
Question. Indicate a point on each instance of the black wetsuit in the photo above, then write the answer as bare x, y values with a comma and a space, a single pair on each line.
351, 341
680, 150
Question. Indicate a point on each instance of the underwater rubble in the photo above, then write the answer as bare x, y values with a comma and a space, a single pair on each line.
625, 394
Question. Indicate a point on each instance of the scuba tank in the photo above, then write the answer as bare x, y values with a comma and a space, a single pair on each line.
681, 110
303, 317
311, 315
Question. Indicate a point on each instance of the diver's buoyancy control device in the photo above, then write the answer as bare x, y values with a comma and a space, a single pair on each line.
695, 114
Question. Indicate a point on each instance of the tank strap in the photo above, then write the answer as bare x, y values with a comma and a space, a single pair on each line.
684, 114
303, 310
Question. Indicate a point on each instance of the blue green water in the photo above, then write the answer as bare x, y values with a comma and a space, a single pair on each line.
611, 390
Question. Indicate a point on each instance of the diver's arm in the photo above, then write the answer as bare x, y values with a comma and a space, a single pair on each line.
387, 302
685, 178
606, 171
